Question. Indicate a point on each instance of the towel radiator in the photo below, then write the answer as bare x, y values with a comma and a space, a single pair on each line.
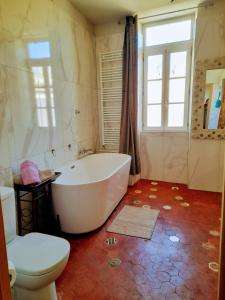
110, 86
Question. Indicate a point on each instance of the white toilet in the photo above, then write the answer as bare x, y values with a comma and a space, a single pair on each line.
39, 259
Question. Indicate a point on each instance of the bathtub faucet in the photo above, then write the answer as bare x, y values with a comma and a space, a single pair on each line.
84, 152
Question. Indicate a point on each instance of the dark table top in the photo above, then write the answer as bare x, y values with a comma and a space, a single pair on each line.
32, 187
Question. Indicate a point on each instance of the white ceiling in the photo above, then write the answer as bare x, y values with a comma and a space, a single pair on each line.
105, 11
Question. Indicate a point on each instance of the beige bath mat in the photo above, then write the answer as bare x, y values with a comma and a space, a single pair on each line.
135, 221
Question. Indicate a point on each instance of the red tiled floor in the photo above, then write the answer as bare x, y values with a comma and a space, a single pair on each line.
156, 269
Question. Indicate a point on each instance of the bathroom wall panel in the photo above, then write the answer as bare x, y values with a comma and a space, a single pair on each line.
30, 139
205, 170
6, 178
22, 22
164, 156
150, 147
205, 160
5, 130
73, 65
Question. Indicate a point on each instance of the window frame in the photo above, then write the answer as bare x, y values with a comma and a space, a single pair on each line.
165, 50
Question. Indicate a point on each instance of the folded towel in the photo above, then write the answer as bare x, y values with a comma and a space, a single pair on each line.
44, 175
29, 172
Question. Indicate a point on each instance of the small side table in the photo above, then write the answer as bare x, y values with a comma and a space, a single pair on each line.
28, 218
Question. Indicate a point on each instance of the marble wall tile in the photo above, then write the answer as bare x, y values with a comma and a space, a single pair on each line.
21, 22
29, 139
150, 147
210, 32
205, 169
5, 127
111, 42
73, 62
164, 156
6, 178
71, 153
175, 153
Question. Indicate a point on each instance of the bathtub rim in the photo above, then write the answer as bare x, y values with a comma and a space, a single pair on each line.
128, 160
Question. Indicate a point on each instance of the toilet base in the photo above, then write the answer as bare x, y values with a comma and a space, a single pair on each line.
46, 293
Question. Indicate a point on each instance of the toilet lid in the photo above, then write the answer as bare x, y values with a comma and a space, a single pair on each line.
37, 254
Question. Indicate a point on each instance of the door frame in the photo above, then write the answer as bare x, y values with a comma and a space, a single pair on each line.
5, 291
221, 289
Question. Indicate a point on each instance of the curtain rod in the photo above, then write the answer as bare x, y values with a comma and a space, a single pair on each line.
179, 10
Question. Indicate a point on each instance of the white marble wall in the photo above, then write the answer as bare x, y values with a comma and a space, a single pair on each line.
205, 166
109, 37
164, 156
206, 156
73, 63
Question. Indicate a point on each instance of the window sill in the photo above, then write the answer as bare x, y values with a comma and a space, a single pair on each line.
164, 131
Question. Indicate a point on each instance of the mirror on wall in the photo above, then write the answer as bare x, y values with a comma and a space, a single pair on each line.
208, 109
214, 100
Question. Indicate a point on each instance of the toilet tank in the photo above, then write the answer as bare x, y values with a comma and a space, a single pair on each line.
9, 212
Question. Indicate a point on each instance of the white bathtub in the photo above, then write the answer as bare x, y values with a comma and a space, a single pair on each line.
88, 190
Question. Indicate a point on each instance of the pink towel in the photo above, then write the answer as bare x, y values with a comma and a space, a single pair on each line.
29, 172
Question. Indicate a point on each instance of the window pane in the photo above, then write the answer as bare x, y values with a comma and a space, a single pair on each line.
50, 75
38, 76
39, 50
168, 33
154, 116
52, 101
154, 91
41, 99
155, 67
176, 90
42, 117
53, 117
178, 64
176, 115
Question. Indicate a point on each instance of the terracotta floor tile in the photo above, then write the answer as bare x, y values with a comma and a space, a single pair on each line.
156, 269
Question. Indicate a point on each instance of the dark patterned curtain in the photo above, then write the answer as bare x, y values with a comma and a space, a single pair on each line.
128, 126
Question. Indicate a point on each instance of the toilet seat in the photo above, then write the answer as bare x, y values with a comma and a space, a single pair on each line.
37, 254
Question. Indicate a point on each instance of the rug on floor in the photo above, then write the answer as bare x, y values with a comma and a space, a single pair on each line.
135, 221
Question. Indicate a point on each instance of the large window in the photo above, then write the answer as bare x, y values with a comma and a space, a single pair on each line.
167, 59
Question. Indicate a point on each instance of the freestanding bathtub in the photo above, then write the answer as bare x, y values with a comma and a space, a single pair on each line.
88, 190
